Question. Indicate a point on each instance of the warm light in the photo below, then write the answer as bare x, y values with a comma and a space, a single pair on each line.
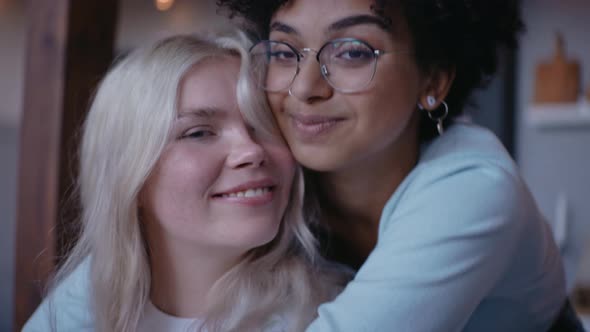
3, 5
163, 5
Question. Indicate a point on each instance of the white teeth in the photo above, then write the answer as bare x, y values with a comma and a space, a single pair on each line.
248, 193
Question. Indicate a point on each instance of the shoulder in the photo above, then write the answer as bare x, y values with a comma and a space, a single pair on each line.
276, 323
466, 144
67, 306
467, 159
464, 178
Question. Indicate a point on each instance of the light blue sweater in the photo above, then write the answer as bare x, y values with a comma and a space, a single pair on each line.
67, 308
461, 247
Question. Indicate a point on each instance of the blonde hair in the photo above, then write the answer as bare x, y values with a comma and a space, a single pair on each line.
125, 132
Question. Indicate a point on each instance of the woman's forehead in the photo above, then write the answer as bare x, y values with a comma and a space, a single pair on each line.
310, 20
210, 84
321, 11
328, 16
338, 23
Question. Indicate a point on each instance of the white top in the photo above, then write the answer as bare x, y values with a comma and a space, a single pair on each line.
155, 320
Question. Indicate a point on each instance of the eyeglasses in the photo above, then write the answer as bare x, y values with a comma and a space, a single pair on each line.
347, 64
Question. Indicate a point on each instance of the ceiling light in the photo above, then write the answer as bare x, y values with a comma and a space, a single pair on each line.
164, 5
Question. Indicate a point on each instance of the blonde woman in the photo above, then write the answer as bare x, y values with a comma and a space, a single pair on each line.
191, 204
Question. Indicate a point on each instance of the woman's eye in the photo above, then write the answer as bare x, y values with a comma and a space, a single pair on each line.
283, 56
355, 54
199, 133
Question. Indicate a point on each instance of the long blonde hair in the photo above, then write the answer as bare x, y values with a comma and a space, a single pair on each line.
125, 132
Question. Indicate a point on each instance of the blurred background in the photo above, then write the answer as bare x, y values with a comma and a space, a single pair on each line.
549, 139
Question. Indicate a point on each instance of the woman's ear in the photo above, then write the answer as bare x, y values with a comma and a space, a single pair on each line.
436, 89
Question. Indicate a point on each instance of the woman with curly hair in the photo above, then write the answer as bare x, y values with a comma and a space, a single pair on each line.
429, 209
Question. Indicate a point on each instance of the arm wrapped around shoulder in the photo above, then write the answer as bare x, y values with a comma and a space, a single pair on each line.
462, 247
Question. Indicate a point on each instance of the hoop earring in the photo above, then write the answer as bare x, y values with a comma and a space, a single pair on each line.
290, 93
438, 119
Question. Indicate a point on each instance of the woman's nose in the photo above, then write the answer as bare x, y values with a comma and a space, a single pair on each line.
309, 85
246, 152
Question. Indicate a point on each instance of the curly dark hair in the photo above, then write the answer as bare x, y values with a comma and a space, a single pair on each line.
460, 35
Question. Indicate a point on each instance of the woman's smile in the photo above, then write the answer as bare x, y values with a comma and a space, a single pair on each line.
250, 193
309, 128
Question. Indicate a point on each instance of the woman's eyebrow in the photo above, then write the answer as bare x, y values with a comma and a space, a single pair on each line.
341, 24
205, 112
350, 21
282, 27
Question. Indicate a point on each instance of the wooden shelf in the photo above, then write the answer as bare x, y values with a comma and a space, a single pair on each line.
557, 116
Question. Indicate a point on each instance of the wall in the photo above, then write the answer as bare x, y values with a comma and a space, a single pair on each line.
12, 35
556, 160
141, 23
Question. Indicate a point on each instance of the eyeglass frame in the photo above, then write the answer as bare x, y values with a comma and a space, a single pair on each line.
323, 69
